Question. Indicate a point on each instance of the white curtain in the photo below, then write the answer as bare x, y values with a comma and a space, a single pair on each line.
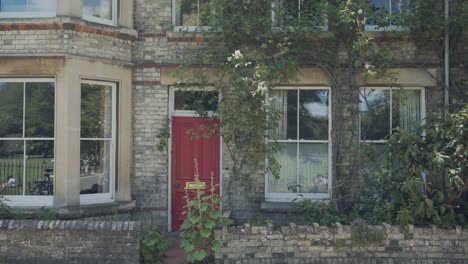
409, 109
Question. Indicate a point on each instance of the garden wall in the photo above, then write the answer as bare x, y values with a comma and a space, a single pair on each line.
341, 244
84, 242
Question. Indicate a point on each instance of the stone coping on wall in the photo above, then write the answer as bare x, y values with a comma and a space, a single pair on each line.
321, 244
117, 226
79, 212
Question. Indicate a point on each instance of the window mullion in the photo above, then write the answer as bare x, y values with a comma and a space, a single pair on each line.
391, 111
299, 10
297, 144
198, 13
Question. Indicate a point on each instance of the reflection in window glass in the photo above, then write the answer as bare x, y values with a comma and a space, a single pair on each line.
375, 114
192, 12
39, 119
28, 6
200, 101
97, 138
95, 166
11, 166
26, 154
39, 167
313, 115
303, 134
377, 117
11, 110
305, 13
98, 8
96, 111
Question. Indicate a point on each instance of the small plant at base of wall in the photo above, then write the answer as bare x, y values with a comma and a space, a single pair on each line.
154, 246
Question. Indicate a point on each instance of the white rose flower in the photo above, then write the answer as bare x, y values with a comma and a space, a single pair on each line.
229, 59
237, 55
359, 11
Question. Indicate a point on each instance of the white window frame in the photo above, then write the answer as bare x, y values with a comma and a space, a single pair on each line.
186, 28
383, 88
289, 28
28, 14
97, 198
289, 197
31, 200
387, 28
109, 22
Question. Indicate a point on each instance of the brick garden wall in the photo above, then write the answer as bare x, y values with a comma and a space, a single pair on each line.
318, 244
71, 242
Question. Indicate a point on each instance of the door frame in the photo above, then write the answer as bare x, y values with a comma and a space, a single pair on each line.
185, 113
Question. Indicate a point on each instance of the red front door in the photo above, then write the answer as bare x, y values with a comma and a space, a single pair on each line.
185, 149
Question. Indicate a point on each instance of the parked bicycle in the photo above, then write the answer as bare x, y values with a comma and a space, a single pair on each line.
45, 186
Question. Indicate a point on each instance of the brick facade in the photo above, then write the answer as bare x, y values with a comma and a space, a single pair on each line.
151, 47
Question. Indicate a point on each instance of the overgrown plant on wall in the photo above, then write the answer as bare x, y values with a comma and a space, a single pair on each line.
253, 54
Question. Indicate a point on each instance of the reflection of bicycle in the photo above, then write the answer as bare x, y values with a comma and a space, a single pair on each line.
45, 186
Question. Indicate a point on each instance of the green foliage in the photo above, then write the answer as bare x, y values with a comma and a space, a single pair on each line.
203, 217
45, 214
384, 213
364, 234
428, 182
322, 213
154, 246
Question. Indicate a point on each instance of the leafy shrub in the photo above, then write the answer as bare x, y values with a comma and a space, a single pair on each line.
425, 175
154, 246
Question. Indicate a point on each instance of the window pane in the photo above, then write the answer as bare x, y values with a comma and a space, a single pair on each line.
27, 5
96, 111
375, 114
11, 110
192, 12
42, 5
196, 100
313, 114
39, 117
95, 166
380, 9
396, 6
11, 166
313, 168
287, 182
406, 109
98, 8
13, 5
290, 12
285, 102
39, 166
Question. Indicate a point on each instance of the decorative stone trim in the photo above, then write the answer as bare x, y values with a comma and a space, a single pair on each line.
67, 26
